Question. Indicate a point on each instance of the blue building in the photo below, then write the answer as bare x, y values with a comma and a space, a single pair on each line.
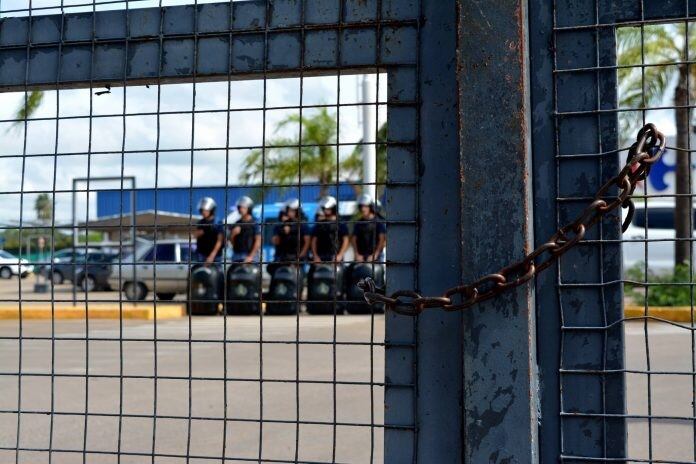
183, 200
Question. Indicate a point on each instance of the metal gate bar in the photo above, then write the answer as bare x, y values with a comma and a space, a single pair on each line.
499, 353
130, 43
438, 337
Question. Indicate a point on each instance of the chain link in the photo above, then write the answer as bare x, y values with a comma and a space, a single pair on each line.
648, 148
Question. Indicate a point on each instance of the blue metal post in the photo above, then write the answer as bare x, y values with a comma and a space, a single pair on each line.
500, 387
440, 435
425, 352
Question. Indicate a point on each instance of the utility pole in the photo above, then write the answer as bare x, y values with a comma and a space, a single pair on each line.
369, 148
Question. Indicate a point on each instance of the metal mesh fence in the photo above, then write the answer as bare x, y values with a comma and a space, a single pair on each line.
617, 66
134, 331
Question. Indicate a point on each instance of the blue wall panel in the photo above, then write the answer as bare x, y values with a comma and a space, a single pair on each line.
184, 200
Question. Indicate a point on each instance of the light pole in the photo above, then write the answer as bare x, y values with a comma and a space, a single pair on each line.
369, 148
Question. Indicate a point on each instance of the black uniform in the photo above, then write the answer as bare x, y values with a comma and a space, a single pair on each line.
329, 235
205, 243
243, 242
367, 234
290, 241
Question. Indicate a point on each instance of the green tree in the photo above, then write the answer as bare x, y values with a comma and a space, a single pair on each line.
61, 238
664, 48
352, 165
28, 107
44, 208
281, 162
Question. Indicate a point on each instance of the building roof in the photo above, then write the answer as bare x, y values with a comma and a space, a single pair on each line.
145, 221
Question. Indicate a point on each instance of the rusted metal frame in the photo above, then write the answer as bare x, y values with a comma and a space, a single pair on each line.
500, 377
203, 31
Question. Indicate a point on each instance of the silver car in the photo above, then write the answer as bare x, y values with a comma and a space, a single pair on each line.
167, 262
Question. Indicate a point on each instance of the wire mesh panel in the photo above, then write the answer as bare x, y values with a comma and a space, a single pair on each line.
620, 374
189, 194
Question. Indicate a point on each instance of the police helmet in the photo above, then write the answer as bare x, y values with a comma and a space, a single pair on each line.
366, 200
327, 202
207, 204
246, 202
291, 203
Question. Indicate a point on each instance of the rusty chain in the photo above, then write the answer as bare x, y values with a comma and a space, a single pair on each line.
648, 148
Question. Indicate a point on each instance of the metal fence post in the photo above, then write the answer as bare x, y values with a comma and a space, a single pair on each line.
438, 335
439, 341
500, 397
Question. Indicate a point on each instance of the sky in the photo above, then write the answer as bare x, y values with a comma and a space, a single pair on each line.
111, 132
46, 135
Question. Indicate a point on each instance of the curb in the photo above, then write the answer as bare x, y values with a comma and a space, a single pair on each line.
669, 313
95, 311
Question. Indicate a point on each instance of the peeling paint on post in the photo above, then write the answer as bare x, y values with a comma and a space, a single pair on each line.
127, 44
500, 394
439, 333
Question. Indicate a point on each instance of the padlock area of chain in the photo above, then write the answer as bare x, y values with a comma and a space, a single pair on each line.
646, 151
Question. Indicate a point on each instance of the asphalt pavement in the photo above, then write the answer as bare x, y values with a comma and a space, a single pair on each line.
354, 402
190, 362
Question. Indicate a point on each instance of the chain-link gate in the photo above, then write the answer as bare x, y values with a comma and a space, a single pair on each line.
122, 124
617, 380
184, 225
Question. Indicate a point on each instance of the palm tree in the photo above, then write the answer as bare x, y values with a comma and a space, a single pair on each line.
352, 165
281, 160
665, 48
280, 163
44, 208
28, 107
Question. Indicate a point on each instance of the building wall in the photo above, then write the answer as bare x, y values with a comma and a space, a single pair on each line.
184, 200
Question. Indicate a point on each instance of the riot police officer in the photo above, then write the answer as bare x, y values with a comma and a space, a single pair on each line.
329, 244
368, 239
291, 238
209, 234
205, 282
369, 234
329, 237
245, 234
244, 279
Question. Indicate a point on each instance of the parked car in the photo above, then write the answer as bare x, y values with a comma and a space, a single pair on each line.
660, 236
89, 270
66, 255
10, 266
168, 260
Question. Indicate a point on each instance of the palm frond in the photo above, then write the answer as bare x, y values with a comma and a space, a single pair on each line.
28, 107
286, 158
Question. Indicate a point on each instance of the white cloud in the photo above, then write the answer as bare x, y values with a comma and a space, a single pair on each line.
246, 127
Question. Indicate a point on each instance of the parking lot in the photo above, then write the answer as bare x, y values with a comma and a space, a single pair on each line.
63, 293
191, 364
190, 383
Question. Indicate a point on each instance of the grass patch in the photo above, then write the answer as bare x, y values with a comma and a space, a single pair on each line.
660, 295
